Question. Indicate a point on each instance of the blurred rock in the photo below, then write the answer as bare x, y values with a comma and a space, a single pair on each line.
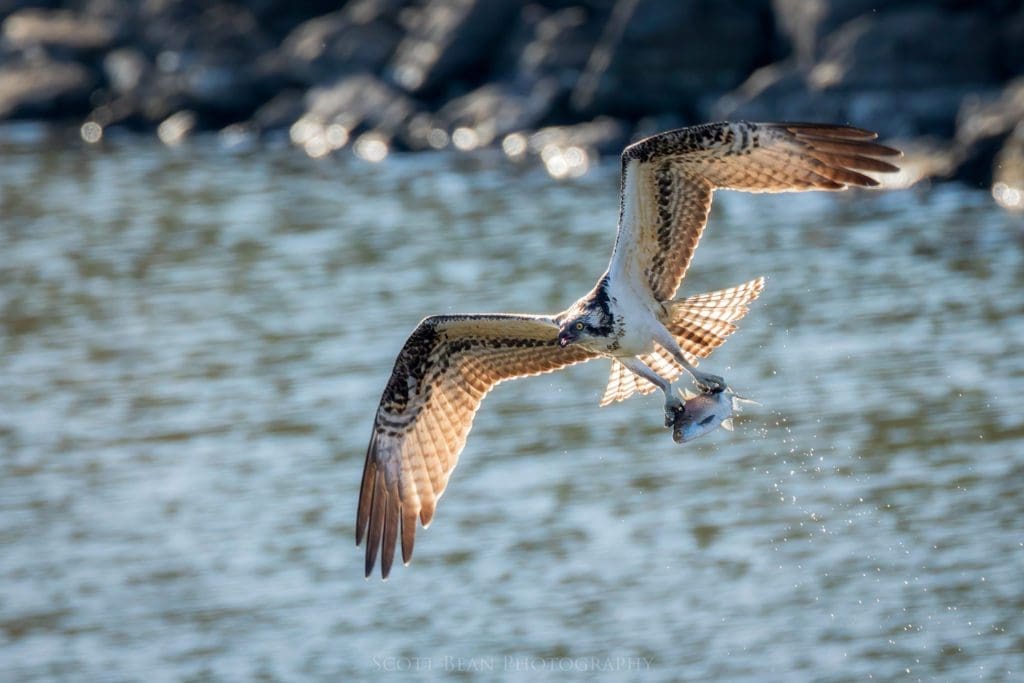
360, 100
551, 49
10, 6
280, 112
425, 74
805, 23
209, 58
336, 113
219, 29
604, 135
44, 88
450, 40
924, 159
361, 37
175, 128
645, 70
914, 48
886, 72
984, 128
651, 125
1008, 176
928, 111
495, 109
568, 151
280, 17
125, 69
554, 44
58, 30
217, 93
789, 92
1011, 45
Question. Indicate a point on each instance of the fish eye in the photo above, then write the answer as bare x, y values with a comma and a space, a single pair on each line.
579, 326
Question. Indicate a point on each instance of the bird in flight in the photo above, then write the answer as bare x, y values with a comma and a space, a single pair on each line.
450, 362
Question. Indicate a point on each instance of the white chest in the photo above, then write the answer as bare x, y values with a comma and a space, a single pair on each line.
636, 323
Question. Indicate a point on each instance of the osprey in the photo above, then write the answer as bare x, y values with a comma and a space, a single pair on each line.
450, 362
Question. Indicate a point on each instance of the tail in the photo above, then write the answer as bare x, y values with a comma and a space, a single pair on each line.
699, 323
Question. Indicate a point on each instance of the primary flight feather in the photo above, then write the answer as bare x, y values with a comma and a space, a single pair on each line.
450, 362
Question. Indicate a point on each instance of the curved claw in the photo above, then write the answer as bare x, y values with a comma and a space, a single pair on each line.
709, 384
677, 426
674, 407
677, 435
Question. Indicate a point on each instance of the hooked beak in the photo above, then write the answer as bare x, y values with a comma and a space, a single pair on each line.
565, 337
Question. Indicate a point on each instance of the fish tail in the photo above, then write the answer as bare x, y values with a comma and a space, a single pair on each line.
738, 402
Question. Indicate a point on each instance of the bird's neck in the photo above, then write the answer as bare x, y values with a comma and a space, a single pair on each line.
600, 297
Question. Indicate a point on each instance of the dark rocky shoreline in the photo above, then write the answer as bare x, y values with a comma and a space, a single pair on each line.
945, 77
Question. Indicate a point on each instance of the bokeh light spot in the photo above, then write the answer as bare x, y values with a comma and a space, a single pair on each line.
91, 132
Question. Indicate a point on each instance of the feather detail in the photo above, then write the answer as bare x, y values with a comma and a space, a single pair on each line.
668, 181
447, 366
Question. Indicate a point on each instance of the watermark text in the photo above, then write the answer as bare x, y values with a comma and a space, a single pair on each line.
448, 663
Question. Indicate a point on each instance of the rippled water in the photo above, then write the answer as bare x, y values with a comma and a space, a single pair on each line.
193, 343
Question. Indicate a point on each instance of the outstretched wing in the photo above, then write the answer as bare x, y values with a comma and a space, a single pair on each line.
443, 372
668, 180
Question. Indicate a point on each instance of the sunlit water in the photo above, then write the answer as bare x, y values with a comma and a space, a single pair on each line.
194, 341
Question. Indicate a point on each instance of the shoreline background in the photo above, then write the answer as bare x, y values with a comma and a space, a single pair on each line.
942, 78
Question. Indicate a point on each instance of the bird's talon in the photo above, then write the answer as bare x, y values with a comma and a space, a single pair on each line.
673, 409
710, 384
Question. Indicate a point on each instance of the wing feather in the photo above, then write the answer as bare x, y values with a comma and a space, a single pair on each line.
447, 366
366, 492
623, 383
408, 533
668, 181
392, 510
376, 521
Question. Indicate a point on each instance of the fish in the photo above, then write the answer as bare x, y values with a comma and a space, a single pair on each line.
705, 412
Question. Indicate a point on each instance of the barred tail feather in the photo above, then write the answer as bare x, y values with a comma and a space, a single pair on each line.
699, 323
724, 304
622, 384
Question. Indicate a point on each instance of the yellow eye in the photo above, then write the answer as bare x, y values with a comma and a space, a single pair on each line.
579, 326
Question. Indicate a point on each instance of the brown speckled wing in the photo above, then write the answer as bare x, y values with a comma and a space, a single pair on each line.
668, 181
443, 372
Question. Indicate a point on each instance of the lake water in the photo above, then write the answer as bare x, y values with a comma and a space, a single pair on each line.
193, 342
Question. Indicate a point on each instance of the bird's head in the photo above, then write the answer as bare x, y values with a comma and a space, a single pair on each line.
570, 332
581, 324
